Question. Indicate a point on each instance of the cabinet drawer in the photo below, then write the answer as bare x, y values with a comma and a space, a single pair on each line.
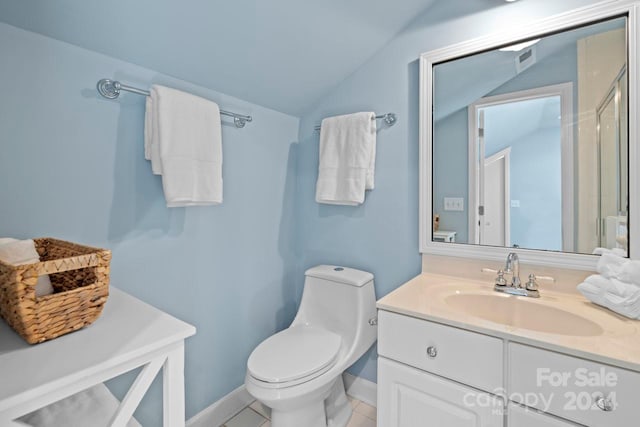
464, 356
408, 397
570, 387
527, 417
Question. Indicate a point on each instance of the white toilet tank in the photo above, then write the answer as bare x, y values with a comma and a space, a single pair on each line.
341, 300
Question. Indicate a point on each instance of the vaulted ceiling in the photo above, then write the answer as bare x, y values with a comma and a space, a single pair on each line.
283, 54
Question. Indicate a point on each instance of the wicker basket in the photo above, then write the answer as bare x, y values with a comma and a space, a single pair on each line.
80, 279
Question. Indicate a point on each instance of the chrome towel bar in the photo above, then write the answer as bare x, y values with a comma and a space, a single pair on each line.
111, 89
390, 119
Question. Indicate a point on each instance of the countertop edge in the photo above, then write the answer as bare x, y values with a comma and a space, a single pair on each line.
507, 336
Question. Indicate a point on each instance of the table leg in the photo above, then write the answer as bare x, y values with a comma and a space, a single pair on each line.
173, 384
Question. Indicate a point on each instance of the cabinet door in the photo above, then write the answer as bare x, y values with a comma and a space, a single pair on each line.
408, 397
525, 417
572, 388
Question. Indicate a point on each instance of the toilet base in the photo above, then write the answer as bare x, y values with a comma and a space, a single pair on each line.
329, 407
311, 415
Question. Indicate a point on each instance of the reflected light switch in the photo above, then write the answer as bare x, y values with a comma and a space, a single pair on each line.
515, 203
454, 204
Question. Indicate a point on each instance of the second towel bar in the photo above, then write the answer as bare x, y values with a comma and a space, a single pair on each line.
390, 119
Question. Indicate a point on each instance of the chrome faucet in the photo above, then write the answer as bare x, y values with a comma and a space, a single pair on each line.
513, 267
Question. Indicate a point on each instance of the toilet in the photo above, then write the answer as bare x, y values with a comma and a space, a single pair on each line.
298, 372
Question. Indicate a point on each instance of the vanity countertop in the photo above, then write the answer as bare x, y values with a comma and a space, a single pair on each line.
427, 295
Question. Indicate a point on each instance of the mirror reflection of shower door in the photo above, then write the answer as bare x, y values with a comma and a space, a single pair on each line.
612, 166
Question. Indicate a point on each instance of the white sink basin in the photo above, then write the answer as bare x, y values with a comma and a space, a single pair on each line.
523, 313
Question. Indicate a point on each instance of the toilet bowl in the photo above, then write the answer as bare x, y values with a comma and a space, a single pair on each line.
298, 372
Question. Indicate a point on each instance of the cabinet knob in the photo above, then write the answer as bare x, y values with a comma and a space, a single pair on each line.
604, 404
432, 352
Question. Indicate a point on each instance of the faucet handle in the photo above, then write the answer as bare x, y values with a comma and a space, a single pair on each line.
532, 285
500, 280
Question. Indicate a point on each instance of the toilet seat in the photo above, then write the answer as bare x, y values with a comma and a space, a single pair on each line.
293, 356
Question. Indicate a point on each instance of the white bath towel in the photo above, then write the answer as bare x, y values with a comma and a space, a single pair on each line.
622, 298
20, 252
347, 159
183, 140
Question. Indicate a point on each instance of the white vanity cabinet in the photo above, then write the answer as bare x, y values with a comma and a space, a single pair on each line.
416, 371
409, 397
526, 417
586, 392
434, 375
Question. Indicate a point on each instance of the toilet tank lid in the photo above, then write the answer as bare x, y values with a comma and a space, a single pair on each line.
336, 273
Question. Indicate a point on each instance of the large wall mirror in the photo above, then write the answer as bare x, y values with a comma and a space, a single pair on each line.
527, 142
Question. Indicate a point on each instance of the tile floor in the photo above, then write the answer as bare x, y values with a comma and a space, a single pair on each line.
257, 415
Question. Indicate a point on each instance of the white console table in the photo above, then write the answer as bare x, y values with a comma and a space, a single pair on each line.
127, 335
444, 236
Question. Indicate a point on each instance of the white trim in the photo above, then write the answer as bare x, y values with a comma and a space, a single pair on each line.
224, 409
565, 92
364, 390
472, 195
506, 155
602, 10
221, 411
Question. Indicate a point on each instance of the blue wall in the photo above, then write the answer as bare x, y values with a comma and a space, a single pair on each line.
451, 171
536, 181
381, 236
75, 166
535, 175
72, 166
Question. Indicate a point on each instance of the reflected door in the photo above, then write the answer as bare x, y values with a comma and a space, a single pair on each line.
495, 224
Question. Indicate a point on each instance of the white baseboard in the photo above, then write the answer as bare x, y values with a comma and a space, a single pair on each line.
234, 402
361, 389
221, 411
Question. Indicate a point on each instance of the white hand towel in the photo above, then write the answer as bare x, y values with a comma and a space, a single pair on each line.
610, 264
347, 159
148, 127
616, 251
613, 265
622, 298
185, 146
20, 252
151, 138
630, 272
